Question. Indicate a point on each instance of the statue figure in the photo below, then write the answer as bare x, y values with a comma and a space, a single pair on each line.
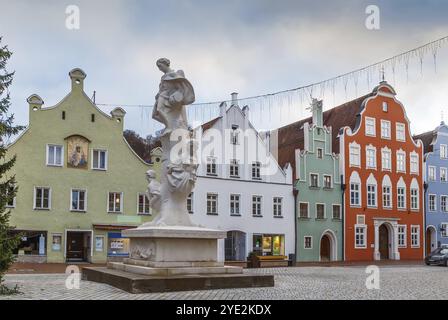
153, 190
178, 176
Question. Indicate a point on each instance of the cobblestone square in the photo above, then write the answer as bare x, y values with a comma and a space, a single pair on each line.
329, 283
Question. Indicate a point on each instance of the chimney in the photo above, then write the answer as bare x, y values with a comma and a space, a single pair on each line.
316, 107
234, 98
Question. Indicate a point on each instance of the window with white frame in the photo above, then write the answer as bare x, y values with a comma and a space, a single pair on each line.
212, 203
414, 163
355, 159
370, 157
401, 198
385, 129
11, 201
336, 211
115, 203
415, 236
256, 167
234, 137
370, 127
444, 227
320, 211
354, 194
235, 200
320, 153
234, 169
256, 205
42, 198
360, 236
78, 200
443, 175
211, 166
443, 151
401, 236
401, 161
190, 201
386, 162
277, 206
387, 197
443, 203
143, 204
414, 199
314, 180
432, 173
99, 161
400, 132
327, 182
303, 210
54, 155
385, 106
432, 202
308, 242
371, 195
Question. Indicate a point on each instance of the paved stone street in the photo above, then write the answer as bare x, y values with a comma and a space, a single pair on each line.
396, 282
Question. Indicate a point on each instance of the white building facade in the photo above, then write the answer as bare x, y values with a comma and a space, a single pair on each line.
241, 189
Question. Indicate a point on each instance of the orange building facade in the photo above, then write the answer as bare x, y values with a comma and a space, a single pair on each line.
382, 169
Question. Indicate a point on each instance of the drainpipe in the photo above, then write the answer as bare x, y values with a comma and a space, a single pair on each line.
343, 187
296, 194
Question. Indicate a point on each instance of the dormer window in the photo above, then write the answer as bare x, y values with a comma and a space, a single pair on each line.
385, 107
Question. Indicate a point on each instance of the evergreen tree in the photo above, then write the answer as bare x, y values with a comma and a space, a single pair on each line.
8, 187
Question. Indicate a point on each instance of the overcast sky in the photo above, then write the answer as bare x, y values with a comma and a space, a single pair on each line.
249, 46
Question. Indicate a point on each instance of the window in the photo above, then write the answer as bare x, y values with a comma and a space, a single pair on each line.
211, 166
444, 227
143, 204
320, 211
320, 153
385, 106
402, 236
314, 180
190, 203
371, 157
432, 202
385, 129
400, 134
336, 211
432, 173
371, 195
386, 160
401, 198
387, 197
443, 175
212, 203
354, 194
235, 204
401, 161
415, 236
308, 242
234, 137
78, 200
11, 202
115, 202
443, 202
256, 205
443, 151
234, 169
256, 166
99, 160
56, 242
327, 182
355, 156
54, 155
414, 199
303, 210
360, 236
277, 202
42, 198
370, 127
414, 163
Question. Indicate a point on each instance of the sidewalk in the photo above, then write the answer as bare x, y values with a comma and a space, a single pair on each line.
362, 263
41, 268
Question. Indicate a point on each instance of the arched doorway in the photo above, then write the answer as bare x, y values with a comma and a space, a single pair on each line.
235, 246
384, 242
328, 248
431, 239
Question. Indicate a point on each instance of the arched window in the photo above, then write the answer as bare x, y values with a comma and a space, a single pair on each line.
372, 188
401, 194
355, 190
415, 195
387, 192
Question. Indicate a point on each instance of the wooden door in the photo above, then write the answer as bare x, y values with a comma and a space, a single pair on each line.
75, 246
384, 242
428, 241
325, 248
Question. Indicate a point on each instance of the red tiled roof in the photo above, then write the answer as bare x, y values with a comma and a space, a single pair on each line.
291, 137
210, 124
427, 139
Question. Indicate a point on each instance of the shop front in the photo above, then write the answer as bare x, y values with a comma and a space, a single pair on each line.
32, 247
269, 244
117, 246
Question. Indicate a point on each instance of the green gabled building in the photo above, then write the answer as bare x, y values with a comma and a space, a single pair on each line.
79, 181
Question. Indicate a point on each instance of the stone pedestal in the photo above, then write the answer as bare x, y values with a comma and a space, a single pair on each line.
174, 258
